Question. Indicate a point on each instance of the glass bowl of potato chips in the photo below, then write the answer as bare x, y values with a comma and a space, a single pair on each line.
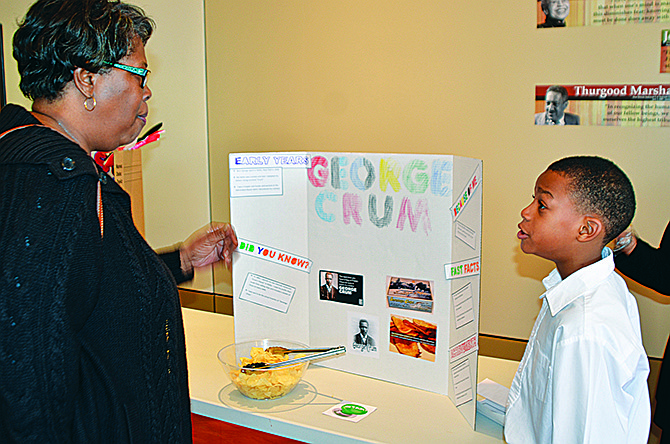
261, 383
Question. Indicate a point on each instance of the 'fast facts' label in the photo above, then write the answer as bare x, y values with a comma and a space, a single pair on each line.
460, 269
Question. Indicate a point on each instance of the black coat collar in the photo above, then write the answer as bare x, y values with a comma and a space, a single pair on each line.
64, 158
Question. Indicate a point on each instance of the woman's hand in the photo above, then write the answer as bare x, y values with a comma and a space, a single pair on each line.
210, 244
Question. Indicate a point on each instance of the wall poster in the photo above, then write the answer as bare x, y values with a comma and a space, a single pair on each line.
568, 13
665, 50
377, 252
632, 105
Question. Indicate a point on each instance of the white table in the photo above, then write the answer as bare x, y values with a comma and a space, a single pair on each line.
404, 414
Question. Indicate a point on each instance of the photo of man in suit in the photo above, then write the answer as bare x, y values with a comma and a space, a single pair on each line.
555, 103
555, 12
328, 289
363, 341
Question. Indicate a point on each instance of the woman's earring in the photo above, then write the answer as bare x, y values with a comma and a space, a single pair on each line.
88, 105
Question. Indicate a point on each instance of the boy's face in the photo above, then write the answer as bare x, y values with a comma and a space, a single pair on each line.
551, 222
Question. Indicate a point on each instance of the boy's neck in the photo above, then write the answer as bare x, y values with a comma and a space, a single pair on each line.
567, 267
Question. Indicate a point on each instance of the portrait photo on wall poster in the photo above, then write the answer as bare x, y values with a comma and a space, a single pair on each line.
341, 287
570, 13
363, 334
665, 51
552, 107
552, 13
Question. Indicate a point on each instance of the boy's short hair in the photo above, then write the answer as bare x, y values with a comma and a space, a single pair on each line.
598, 187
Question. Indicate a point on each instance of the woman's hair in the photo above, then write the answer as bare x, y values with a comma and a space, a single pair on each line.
597, 186
57, 36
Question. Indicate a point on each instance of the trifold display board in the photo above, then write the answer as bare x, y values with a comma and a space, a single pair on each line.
377, 252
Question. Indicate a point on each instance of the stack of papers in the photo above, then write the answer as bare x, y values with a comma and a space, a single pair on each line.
495, 399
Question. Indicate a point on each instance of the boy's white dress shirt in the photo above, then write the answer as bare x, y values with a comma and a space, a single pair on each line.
583, 376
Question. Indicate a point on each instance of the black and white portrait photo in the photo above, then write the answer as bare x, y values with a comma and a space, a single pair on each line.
363, 333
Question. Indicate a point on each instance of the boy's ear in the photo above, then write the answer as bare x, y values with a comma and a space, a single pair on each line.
590, 229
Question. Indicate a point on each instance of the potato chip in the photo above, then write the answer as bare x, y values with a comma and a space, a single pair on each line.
266, 383
405, 347
402, 325
428, 348
427, 329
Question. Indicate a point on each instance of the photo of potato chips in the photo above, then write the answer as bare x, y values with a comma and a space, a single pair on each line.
413, 337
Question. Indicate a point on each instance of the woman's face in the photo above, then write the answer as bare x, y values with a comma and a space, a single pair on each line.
121, 108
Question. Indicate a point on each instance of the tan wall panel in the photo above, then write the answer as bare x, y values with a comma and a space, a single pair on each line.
433, 76
391, 76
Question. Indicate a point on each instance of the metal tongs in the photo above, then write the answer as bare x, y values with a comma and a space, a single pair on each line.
285, 351
264, 365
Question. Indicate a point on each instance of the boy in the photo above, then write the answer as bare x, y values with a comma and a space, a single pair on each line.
583, 376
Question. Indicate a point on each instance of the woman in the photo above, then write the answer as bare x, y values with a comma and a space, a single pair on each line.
92, 344
649, 266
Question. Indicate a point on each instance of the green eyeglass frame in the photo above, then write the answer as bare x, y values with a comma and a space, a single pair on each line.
141, 72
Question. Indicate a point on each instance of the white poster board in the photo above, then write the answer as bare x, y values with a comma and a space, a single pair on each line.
336, 245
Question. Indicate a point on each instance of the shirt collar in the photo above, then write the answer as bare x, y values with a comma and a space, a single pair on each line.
560, 293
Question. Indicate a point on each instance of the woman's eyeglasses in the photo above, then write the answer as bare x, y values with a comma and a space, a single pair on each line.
141, 72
